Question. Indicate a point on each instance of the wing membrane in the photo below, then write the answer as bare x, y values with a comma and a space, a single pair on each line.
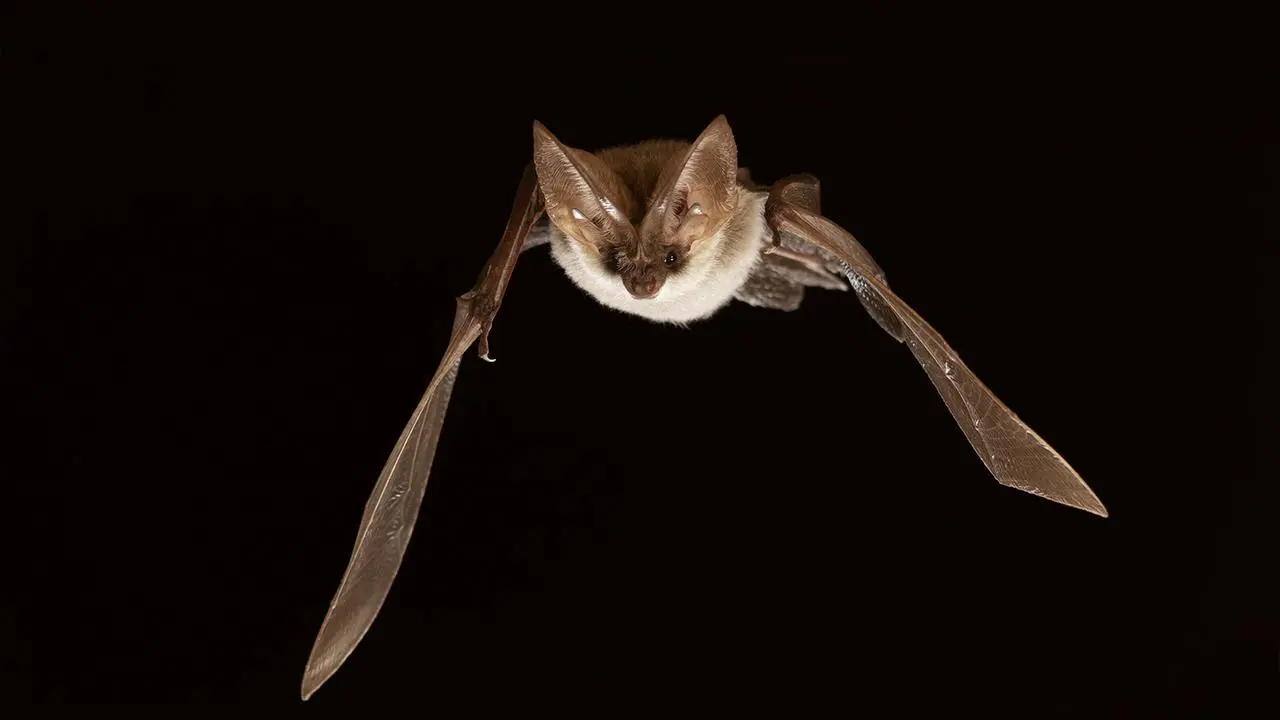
392, 508
389, 518
1012, 451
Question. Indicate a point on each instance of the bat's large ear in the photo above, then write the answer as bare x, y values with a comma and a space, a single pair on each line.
698, 192
582, 196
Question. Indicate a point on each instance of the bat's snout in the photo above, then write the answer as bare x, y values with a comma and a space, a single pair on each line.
643, 288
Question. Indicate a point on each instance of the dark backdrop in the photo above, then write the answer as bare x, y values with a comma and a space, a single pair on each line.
234, 271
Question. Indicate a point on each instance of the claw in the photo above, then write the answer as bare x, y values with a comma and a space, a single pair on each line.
485, 326
479, 304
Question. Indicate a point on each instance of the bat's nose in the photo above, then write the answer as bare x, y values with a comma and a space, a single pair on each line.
643, 288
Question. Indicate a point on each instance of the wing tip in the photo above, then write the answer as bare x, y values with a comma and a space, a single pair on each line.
1088, 503
1080, 498
1097, 508
312, 680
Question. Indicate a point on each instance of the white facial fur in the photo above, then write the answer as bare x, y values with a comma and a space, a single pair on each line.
712, 272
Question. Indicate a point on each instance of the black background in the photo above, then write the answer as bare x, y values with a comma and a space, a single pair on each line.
237, 250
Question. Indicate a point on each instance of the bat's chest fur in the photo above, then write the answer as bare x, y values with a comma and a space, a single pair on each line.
711, 276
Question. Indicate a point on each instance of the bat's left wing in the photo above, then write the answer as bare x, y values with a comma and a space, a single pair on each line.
392, 509
1013, 452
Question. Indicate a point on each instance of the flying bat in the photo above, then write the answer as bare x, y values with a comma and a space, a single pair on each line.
670, 231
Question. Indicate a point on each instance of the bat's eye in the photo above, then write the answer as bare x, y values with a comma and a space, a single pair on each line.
671, 258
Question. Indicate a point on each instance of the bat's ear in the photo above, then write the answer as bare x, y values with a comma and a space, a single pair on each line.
582, 196
699, 191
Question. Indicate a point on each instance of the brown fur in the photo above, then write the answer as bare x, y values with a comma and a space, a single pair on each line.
638, 167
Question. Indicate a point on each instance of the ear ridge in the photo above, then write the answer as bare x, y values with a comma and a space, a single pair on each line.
707, 175
570, 180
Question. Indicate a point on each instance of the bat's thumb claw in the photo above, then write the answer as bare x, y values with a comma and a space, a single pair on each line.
484, 345
480, 308
483, 350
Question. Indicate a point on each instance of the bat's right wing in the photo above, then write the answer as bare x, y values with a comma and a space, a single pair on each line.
392, 509
1013, 452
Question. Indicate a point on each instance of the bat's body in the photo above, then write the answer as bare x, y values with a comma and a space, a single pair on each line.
672, 232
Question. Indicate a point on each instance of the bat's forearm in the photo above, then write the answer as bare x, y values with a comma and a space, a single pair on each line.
525, 210
484, 299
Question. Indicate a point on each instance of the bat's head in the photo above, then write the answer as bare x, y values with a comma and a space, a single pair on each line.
653, 229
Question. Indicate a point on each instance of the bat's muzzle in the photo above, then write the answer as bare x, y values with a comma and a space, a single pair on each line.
643, 288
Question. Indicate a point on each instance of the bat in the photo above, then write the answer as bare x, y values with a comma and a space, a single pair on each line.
670, 231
